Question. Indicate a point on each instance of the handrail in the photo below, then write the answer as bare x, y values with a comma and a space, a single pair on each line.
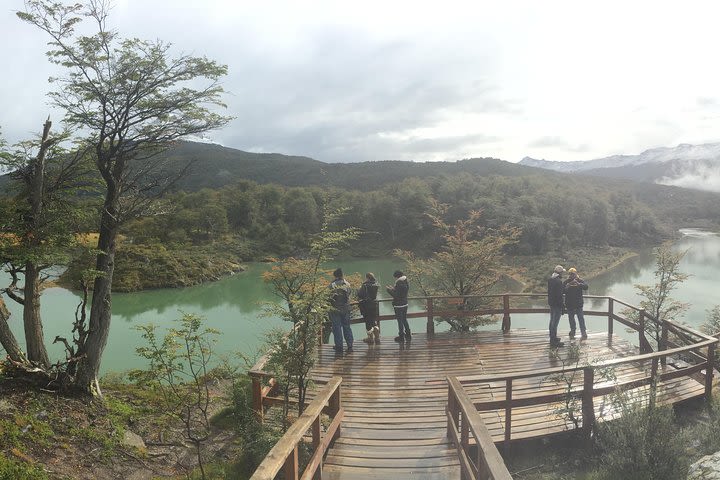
463, 420
284, 455
262, 393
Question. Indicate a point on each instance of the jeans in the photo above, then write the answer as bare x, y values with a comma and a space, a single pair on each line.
340, 319
401, 316
555, 314
581, 319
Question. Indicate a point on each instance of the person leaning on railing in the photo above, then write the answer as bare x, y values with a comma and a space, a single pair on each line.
399, 292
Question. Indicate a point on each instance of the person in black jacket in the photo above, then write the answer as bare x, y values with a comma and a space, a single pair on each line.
367, 296
555, 300
573, 288
399, 292
340, 312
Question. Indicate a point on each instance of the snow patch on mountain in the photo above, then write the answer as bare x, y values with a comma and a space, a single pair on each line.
684, 151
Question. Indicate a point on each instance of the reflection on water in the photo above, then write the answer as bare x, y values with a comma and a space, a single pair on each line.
233, 305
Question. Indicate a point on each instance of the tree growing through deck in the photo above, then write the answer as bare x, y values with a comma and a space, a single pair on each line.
469, 263
302, 284
131, 100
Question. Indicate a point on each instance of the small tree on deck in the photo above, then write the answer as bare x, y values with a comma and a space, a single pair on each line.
469, 263
302, 284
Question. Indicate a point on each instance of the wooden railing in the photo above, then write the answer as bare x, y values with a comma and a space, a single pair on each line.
503, 305
695, 347
481, 460
284, 455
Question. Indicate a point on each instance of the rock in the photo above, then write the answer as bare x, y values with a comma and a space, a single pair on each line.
707, 468
131, 439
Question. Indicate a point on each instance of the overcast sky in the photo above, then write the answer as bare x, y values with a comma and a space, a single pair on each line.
352, 81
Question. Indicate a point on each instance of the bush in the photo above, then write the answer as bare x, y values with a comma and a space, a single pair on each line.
645, 443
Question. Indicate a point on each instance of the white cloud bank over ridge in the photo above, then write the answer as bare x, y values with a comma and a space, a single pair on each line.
374, 80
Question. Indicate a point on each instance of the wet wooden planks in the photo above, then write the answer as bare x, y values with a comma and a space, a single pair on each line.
394, 397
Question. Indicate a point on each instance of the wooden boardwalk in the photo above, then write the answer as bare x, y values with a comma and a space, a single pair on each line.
394, 396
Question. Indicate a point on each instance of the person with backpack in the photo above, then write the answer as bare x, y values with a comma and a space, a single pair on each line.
399, 292
367, 296
574, 287
340, 312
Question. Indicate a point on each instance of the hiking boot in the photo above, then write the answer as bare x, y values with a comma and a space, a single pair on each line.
349, 349
557, 344
399, 339
408, 336
370, 338
583, 336
338, 351
571, 334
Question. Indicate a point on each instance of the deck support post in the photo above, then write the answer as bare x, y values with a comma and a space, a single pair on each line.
506, 313
610, 324
663, 341
588, 407
508, 416
430, 323
709, 371
257, 397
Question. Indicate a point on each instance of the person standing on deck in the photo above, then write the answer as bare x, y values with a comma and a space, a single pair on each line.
340, 312
555, 300
367, 296
399, 292
573, 288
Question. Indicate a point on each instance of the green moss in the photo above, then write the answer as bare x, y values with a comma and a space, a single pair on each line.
12, 470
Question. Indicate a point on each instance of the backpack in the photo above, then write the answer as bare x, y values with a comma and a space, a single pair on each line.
340, 296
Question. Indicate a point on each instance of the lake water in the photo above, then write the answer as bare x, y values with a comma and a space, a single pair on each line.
234, 305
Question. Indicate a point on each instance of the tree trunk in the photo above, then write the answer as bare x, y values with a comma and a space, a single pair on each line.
101, 307
34, 337
7, 339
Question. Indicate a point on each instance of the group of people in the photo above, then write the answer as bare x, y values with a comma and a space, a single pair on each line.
340, 294
566, 295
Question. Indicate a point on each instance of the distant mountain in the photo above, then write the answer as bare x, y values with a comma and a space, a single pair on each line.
215, 166
689, 166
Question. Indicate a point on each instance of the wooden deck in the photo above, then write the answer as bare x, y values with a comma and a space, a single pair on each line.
394, 396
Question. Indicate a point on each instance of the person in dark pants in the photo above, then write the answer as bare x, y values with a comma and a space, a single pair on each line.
340, 312
367, 296
399, 292
574, 287
555, 300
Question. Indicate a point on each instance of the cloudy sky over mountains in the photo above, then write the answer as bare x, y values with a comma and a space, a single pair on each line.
353, 81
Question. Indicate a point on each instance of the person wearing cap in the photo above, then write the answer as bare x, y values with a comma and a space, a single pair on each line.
399, 292
340, 312
555, 300
573, 288
367, 301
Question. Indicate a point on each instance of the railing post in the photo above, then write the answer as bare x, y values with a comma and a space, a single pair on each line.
430, 323
506, 313
709, 371
292, 465
641, 330
588, 407
508, 416
334, 404
316, 437
611, 306
663, 341
257, 397
453, 411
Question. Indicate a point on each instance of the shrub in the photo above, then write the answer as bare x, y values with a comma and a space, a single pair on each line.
11, 470
645, 441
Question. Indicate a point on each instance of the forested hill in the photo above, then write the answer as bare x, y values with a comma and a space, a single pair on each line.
216, 166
